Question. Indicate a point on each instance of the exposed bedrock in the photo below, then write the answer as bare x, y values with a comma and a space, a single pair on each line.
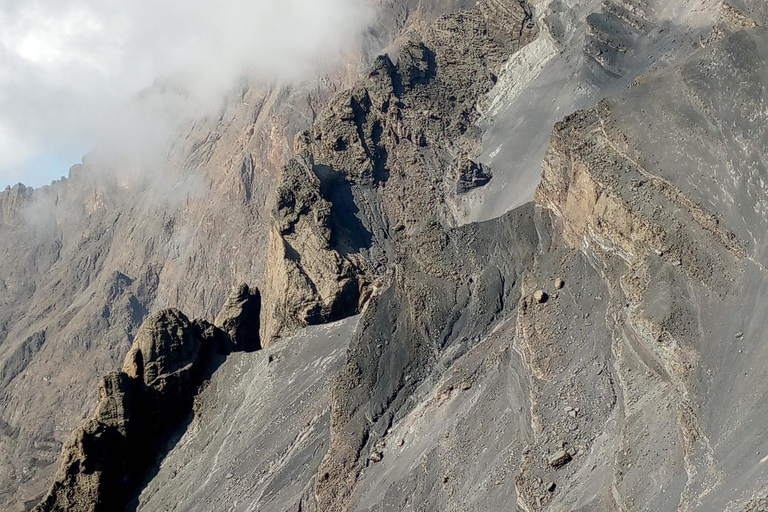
145, 406
659, 387
183, 234
599, 349
631, 318
314, 276
379, 165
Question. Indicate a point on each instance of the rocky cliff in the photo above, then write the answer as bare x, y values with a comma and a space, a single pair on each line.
598, 347
88, 258
142, 407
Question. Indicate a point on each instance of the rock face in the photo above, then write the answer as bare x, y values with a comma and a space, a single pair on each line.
371, 171
96, 467
312, 278
600, 348
239, 319
141, 408
88, 258
471, 175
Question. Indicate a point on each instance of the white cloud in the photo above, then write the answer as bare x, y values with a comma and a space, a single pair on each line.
67, 67
13, 151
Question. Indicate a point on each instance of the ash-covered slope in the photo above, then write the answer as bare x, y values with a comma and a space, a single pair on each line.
588, 51
260, 429
598, 349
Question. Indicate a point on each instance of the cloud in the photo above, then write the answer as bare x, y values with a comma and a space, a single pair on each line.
66, 68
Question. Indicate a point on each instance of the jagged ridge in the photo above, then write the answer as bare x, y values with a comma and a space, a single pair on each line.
142, 407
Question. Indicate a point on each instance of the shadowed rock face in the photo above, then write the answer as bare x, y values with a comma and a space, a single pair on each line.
143, 407
96, 468
239, 319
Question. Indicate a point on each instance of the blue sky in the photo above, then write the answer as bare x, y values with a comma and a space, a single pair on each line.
46, 167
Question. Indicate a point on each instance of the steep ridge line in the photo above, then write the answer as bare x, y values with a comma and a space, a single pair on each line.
706, 220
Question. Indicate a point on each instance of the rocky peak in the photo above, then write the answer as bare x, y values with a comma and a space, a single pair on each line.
311, 279
239, 319
141, 407
167, 344
12, 200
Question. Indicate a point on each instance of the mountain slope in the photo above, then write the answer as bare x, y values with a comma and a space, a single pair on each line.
598, 349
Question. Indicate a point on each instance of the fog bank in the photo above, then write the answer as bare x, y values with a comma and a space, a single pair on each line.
67, 69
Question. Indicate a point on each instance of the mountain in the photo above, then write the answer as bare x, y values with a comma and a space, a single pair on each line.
514, 261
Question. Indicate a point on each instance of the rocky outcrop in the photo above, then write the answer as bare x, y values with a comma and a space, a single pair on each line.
240, 317
142, 407
380, 164
98, 462
635, 349
620, 212
311, 278
471, 175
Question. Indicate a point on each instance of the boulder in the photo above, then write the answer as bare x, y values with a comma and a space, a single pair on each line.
559, 459
471, 175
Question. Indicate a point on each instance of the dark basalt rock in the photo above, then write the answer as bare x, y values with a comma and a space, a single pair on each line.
471, 175
239, 318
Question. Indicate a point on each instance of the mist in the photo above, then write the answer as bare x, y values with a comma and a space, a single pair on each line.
68, 70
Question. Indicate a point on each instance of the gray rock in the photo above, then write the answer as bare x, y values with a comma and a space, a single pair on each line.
559, 459
140, 408
471, 175
240, 319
